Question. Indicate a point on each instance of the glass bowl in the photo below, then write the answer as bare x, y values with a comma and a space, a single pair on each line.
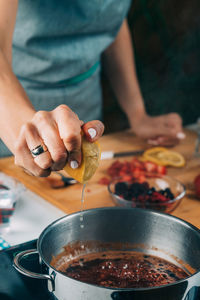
156, 192
10, 192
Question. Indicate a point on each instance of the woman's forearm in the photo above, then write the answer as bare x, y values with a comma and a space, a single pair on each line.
119, 66
15, 106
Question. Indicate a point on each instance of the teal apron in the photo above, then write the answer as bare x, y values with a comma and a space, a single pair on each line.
57, 47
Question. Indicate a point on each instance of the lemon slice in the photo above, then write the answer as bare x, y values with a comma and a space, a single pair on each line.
90, 161
152, 154
172, 158
164, 157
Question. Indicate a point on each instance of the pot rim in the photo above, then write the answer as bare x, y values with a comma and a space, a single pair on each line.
168, 216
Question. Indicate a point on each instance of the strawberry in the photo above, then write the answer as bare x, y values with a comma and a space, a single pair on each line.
150, 167
114, 169
104, 181
156, 196
141, 179
161, 170
137, 164
137, 173
197, 185
134, 169
127, 178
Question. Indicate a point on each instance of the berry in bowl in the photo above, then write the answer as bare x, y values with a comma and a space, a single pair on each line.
156, 192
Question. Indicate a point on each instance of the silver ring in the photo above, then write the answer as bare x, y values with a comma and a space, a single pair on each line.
38, 150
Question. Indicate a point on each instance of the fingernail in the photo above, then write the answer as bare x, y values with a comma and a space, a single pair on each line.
180, 135
152, 142
74, 164
92, 132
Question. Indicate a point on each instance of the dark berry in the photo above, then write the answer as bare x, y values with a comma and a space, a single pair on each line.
169, 194
120, 188
162, 192
145, 185
141, 195
136, 189
149, 192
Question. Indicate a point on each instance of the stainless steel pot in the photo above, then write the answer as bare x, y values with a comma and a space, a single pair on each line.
160, 234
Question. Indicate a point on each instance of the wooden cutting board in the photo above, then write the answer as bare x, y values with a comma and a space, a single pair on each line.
68, 199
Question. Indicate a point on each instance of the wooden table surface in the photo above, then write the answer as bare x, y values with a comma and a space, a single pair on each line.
68, 199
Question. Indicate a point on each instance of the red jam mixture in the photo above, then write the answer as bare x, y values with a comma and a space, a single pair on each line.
132, 270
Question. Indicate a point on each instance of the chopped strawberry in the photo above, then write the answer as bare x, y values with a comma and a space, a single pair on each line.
137, 173
137, 164
133, 169
141, 179
127, 178
104, 181
150, 167
156, 196
161, 170
114, 169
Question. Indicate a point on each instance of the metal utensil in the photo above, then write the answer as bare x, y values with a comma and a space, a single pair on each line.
66, 180
111, 154
60, 181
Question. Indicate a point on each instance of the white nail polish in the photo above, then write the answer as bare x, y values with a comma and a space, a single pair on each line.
180, 135
92, 132
74, 164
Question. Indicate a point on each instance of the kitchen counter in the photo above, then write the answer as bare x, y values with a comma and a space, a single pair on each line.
30, 218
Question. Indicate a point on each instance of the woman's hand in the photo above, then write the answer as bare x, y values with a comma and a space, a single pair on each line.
165, 130
59, 133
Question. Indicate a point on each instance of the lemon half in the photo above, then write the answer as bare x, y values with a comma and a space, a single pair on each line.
90, 161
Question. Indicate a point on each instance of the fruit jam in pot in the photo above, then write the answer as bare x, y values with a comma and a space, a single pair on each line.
121, 269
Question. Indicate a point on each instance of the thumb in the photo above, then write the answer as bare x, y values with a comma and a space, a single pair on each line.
93, 130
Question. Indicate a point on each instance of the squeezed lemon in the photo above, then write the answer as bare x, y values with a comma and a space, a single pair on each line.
90, 161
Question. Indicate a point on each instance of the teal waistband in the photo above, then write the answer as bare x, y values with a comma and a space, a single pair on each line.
66, 82
80, 77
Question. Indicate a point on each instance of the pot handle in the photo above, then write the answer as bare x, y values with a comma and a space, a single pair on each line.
22, 270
